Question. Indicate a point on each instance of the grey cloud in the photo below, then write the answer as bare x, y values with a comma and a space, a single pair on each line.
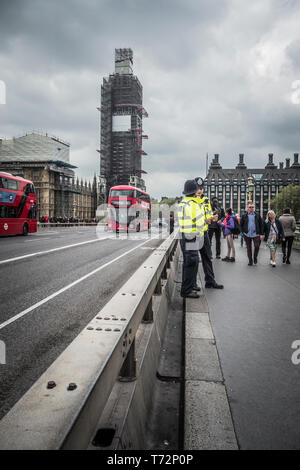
293, 52
195, 59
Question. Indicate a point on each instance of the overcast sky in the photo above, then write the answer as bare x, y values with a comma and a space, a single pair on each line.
217, 77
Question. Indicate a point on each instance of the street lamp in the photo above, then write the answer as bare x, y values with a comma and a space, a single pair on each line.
250, 188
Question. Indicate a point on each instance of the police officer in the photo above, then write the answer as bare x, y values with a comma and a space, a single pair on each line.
215, 228
191, 223
205, 251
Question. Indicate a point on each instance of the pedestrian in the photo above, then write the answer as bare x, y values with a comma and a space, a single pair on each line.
252, 226
229, 227
191, 223
172, 222
288, 223
273, 234
215, 227
205, 251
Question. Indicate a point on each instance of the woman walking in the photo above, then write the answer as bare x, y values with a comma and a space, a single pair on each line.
288, 223
273, 233
228, 225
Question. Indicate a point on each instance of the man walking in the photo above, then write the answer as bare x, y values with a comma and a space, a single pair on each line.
205, 251
252, 226
191, 223
214, 228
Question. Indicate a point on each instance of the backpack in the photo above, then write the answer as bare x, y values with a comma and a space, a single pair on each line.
237, 229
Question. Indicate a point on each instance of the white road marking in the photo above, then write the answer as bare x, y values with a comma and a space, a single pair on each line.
55, 294
50, 251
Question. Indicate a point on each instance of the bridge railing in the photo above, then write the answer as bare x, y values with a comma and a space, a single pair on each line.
62, 408
297, 240
41, 225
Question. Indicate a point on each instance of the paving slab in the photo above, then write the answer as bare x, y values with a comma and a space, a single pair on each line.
196, 305
201, 360
197, 325
208, 424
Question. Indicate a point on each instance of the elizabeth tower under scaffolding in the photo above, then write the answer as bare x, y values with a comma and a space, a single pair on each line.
122, 115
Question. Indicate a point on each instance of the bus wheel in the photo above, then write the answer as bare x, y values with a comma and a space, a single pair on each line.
25, 230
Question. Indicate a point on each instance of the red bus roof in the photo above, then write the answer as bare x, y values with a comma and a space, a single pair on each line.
12, 177
123, 186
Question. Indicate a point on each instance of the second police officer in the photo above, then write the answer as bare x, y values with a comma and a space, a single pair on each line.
205, 251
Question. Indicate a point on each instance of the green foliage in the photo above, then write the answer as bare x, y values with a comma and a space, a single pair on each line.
170, 201
288, 197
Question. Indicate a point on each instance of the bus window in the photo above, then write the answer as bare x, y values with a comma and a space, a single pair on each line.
11, 212
7, 183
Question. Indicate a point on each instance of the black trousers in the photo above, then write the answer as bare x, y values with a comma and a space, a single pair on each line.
189, 268
256, 242
289, 242
217, 232
205, 254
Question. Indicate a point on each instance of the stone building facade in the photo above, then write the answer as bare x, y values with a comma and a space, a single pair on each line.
35, 157
230, 186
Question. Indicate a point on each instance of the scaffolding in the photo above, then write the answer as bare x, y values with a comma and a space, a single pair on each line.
122, 101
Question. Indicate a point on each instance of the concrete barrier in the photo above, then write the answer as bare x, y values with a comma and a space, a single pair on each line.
128, 408
296, 243
54, 226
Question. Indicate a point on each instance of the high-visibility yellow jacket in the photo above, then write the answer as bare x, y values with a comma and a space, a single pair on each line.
208, 212
191, 216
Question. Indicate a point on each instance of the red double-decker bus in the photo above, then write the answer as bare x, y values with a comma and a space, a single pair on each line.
129, 209
17, 205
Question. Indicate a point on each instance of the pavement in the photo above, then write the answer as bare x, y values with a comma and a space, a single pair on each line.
52, 284
255, 321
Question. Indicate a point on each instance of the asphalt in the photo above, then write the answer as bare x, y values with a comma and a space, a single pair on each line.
36, 339
255, 320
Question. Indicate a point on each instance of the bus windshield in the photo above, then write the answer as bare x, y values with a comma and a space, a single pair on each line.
121, 192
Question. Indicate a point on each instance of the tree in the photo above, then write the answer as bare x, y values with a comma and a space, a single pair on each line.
288, 197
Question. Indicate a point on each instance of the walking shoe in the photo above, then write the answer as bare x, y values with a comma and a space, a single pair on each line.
218, 257
284, 259
288, 261
213, 286
273, 264
191, 295
226, 258
255, 261
250, 263
232, 259
197, 288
